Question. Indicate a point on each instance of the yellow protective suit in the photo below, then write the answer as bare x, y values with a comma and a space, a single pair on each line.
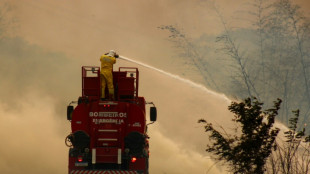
106, 75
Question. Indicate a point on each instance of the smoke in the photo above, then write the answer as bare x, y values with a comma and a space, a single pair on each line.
30, 140
166, 157
40, 75
35, 85
26, 68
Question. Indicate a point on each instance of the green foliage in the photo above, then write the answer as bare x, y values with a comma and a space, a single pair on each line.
248, 151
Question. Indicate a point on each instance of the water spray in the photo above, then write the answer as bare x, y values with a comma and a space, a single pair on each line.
191, 83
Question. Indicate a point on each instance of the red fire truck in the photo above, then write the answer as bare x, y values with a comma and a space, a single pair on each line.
109, 136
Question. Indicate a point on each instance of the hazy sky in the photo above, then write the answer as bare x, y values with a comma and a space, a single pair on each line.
85, 29
78, 32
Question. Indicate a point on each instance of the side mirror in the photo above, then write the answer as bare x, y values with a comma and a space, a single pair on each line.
153, 114
69, 112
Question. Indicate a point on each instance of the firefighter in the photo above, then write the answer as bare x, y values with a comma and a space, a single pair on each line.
107, 61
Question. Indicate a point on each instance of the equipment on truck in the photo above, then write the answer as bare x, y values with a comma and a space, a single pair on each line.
109, 136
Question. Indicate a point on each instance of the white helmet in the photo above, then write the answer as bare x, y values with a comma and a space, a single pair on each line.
112, 53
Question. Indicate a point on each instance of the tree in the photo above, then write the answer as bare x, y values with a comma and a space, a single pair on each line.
292, 155
288, 35
257, 148
190, 51
246, 151
231, 48
300, 28
269, 60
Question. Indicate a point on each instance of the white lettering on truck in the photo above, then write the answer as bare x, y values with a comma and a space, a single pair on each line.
108, 114
108, 117
116, 121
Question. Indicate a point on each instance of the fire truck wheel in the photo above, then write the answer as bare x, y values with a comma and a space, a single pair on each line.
135, 141
80, 139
